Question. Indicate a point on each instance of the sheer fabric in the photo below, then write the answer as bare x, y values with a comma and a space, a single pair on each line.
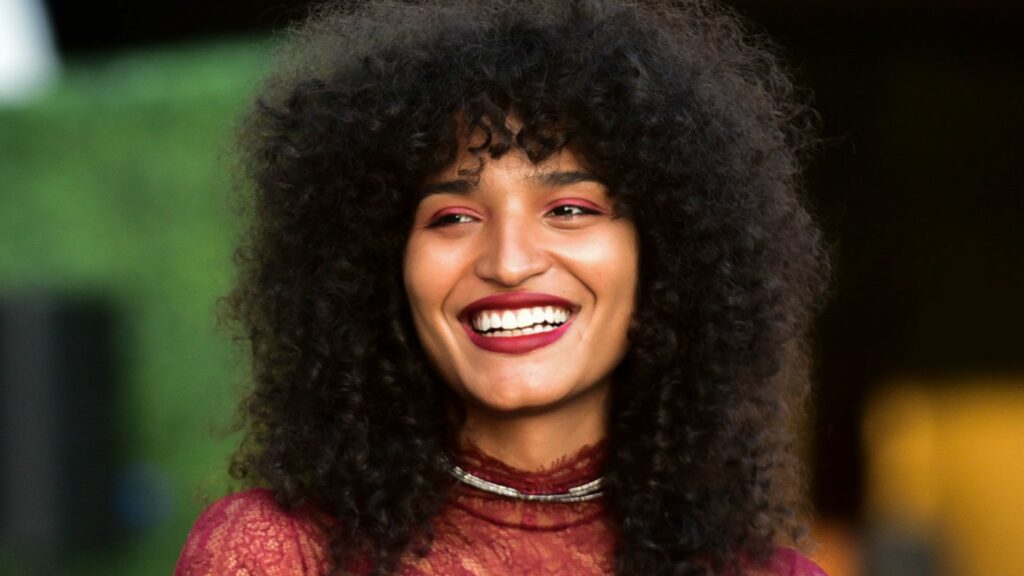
477, 533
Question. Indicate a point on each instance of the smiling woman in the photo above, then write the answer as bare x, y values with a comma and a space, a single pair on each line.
521, 287
526, 286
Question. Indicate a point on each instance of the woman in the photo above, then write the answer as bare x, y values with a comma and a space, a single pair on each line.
525, 287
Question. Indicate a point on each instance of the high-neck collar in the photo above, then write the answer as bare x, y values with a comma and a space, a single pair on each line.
567, 472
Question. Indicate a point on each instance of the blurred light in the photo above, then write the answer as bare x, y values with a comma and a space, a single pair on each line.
145, 496
57, 385
901, 430
945, 471
28, 59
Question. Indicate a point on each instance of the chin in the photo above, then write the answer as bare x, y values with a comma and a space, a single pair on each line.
514, 397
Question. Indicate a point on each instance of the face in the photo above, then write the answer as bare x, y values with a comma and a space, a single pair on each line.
521, 284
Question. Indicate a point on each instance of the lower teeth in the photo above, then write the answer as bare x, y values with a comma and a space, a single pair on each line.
518, 332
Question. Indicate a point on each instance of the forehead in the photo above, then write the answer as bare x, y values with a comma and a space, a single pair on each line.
470, 166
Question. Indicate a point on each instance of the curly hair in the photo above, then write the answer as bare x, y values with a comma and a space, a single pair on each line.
700, 135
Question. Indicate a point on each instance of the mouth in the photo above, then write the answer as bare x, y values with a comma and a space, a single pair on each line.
517, 322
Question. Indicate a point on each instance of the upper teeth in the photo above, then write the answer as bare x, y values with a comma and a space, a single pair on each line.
520, 318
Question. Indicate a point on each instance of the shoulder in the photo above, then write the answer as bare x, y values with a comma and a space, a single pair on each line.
248, 533
789, 562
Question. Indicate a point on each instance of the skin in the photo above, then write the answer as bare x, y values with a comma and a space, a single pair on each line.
548, 228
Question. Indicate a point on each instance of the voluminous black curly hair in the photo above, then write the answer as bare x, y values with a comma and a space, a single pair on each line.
699, 134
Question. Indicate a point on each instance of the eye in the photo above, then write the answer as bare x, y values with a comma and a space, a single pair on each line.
569, 211
449, 219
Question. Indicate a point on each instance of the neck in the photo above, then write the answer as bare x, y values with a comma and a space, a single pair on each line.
533, 439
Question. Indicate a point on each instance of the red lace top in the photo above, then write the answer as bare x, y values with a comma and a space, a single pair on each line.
477, 534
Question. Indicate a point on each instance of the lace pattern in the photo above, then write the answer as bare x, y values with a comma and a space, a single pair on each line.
477, 534
248, 534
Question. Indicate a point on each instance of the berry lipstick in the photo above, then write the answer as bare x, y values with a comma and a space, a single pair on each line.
497, 304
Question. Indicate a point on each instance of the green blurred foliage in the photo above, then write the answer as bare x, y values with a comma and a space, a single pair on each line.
118, 184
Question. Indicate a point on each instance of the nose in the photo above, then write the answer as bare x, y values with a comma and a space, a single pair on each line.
512, 253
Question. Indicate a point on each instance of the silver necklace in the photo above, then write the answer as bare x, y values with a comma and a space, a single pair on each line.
582, 493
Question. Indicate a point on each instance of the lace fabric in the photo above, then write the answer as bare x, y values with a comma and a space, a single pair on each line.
477, 534
249, 534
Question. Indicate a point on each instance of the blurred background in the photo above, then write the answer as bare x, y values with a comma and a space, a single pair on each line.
117, 387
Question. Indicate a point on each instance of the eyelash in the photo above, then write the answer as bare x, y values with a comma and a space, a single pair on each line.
445, 220
580, 210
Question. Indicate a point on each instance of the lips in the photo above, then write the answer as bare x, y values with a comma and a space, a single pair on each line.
512, 301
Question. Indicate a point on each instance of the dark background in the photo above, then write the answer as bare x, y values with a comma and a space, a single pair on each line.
918, 184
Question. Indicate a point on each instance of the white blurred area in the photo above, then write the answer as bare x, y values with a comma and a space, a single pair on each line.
28, 56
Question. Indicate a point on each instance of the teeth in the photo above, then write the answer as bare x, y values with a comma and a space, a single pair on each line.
523, 320
508, 320
523, 332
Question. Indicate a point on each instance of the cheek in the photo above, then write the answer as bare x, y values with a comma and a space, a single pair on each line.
625, 261
429, 280
619, 285
615, 285
417, 281
431, 272
611, 265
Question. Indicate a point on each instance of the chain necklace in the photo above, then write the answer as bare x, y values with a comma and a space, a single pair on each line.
581, 493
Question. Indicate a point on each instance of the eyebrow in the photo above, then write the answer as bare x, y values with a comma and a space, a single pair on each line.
460, 187
565, 178
555, 178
